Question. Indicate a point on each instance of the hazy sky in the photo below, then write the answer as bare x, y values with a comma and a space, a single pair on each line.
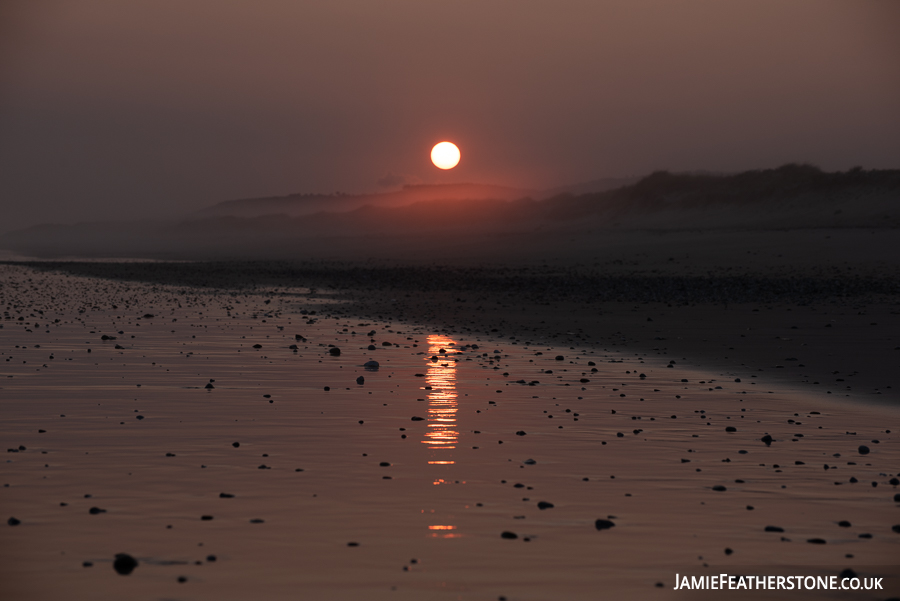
112, 109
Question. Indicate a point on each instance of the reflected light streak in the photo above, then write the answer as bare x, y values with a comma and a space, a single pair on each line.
441, 434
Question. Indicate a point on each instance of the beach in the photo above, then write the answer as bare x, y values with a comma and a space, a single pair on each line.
470, 464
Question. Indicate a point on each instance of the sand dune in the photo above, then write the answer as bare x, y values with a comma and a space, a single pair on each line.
791, 197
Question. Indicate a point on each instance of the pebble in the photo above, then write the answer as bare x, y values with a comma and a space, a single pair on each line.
124, 564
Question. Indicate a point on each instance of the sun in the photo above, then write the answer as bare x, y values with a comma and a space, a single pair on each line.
445, 155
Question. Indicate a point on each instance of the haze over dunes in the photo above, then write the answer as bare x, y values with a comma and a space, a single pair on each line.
153, 109
484, 217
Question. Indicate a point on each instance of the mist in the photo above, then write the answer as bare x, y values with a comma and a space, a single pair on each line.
140, 110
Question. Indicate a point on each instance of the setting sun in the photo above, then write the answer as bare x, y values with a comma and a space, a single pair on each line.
445, 155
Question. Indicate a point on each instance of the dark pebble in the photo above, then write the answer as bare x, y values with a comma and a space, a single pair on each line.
96, 510
774, 529
334, 351
544, 505
603, 524
863, 449
508, 534
124, 564
13, 522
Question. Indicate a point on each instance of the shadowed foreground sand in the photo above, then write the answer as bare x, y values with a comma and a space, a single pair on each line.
346, 494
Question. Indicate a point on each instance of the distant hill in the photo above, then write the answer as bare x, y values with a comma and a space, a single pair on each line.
425, 219
306, 204
591, 187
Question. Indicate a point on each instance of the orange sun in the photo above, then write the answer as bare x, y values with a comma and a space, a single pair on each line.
445, 155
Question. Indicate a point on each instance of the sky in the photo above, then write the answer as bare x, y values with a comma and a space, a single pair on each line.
114, 110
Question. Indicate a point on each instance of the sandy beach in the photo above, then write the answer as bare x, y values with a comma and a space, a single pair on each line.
214, 437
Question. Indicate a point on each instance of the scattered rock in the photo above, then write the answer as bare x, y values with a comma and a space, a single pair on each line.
603, 524
124, 564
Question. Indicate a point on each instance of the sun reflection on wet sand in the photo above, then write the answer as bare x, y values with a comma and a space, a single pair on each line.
441, 436
441, 531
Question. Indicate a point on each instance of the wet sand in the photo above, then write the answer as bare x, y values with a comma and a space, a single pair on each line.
642, 442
